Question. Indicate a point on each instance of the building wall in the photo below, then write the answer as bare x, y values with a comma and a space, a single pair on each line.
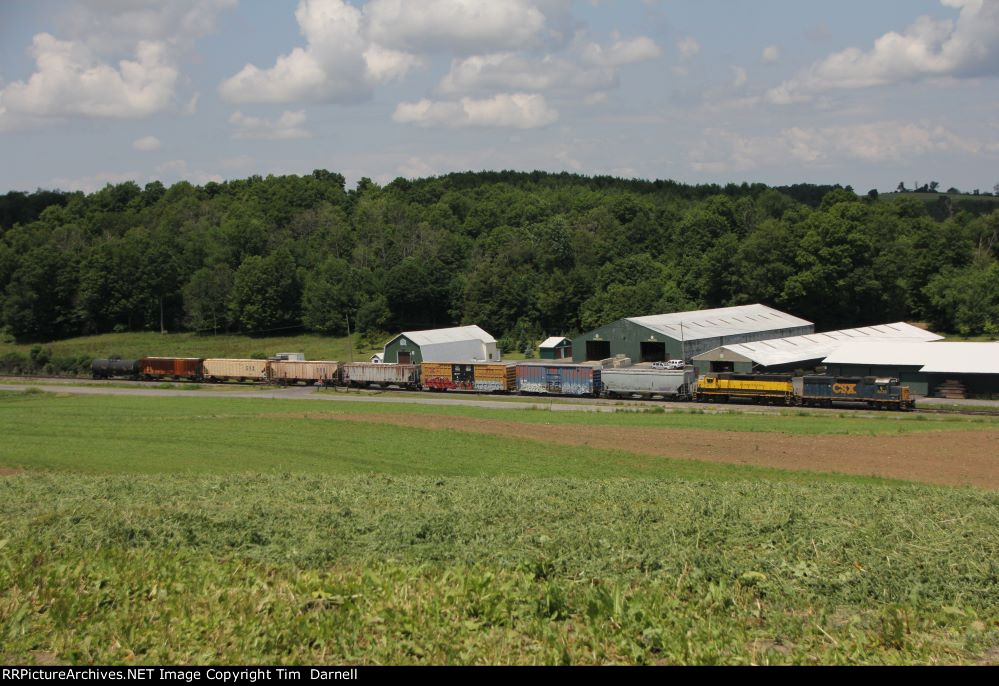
559, 352
393, 347
626, 337
704, 366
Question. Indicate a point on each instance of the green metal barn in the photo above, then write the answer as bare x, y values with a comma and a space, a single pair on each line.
681, 335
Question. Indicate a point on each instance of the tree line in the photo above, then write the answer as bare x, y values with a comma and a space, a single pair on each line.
521, 254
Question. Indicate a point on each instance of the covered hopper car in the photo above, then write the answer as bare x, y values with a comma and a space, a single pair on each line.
316, 372
218, 369
171, 368
670, 384
382, 375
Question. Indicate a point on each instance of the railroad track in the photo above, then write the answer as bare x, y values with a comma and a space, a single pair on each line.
624, 403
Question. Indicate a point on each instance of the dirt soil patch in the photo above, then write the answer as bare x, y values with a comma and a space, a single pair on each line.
953, 458
8, 471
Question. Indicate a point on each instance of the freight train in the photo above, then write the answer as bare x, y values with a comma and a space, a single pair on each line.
526, 378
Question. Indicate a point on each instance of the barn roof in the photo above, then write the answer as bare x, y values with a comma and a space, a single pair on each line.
723, 321
815, 346
942, 358
552, 341
452, 335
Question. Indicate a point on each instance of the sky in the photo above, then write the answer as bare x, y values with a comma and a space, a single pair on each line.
860, 93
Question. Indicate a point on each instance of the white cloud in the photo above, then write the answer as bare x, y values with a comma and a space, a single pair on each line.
191, 107
688, 47
110, 26
770, 54
338, 63
621, 52
71, 80
146, 144
180, 170
592, 69
928, 48
513, 72
94, 182
460, 26
505, 110
738, 76
873, 143
288, 126
120, 60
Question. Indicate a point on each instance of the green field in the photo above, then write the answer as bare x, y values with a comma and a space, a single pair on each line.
245, 531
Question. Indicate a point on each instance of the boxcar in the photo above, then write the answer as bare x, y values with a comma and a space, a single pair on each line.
559, 379
669, 383
218, 369
171, 367
322, 372
883, 393
106, 369
484, 377
384, 375
768, 388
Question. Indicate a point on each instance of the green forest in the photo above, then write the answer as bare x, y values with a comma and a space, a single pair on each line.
521, 254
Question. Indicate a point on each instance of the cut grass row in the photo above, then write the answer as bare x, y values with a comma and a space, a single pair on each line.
407, 569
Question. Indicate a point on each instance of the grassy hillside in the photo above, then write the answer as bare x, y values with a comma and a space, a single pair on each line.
72, 355
232, 530
133, 345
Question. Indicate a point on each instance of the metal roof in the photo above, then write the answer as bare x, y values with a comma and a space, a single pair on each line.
815, 346
453, 335
940, 358
552, 341
724, 321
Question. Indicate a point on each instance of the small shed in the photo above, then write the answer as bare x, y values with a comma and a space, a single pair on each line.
455, 344
556, 348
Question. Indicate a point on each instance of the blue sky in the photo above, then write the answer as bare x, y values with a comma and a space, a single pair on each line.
860, 93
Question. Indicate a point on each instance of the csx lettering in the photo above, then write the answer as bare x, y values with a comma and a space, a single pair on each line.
845, 388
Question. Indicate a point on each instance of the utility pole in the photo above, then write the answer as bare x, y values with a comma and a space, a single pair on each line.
683, 346
350, 345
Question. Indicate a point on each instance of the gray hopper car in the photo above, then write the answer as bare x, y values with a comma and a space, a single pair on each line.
672, 384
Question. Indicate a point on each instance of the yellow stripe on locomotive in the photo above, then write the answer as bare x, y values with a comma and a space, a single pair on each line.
752, 386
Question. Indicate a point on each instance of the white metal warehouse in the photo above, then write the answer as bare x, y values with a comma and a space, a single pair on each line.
802, 352
925, 367
455, 344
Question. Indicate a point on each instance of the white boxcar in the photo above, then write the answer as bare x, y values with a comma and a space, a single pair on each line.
367, 374
312, 371
235, 370
668, 383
